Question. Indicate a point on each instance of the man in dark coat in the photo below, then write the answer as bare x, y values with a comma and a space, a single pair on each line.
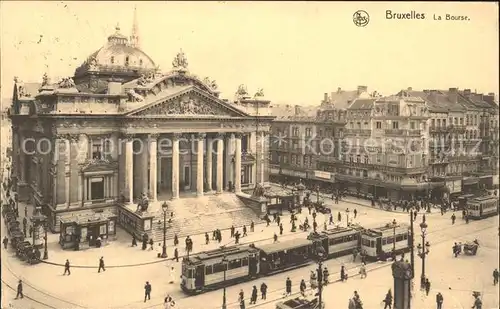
19, 290
439, 300
101, 265
253, 298
388, 300
288, 286
66, 268
263, 290
147, 291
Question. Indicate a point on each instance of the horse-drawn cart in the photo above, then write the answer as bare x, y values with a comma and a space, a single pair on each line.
300, 303
470, 247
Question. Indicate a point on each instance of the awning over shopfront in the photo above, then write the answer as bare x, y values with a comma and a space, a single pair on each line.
470, 181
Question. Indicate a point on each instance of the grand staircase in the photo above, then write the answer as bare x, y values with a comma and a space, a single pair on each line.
196, 215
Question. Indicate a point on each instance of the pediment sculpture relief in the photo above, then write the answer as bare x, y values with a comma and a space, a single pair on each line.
185, 106
134, 96
66, 82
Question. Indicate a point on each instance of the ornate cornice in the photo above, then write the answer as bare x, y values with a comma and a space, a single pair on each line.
153, 136
200, 136
238, 135
220, 135
128, 136
176, 136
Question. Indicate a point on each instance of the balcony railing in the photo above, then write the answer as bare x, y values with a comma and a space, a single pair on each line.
359, 131
437, 129
403, 132
397, 132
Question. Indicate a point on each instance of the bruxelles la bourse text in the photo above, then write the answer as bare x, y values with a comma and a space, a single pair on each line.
414, 15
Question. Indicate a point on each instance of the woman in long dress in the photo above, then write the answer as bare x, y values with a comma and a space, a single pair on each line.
172, 274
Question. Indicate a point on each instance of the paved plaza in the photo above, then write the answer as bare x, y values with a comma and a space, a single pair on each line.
129, 268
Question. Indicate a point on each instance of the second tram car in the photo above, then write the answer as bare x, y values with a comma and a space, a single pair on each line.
379, 243
284, 255
482, 207
338, 241
221, 267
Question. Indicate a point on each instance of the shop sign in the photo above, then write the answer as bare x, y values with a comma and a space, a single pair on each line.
299, 174
322, 174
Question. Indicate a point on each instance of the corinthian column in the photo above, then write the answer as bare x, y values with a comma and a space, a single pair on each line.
153, 149
175, 165
129, 169
210, 149
219, 176
237, 163
199, 164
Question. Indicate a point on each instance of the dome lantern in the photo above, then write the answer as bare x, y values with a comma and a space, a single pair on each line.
117, 37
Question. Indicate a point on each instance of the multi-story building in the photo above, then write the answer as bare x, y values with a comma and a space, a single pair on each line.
409, 144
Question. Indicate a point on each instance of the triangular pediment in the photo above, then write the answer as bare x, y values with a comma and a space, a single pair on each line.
189, 103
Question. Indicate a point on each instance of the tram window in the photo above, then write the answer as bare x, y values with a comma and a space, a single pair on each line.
372, 244
399, 238
190, 273
390, 240
405, 236
234, 264
244, 262
355, 236
365, 242
209, 270
384, 241
219, 268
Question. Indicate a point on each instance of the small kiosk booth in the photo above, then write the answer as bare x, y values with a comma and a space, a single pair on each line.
281, 199
85, 231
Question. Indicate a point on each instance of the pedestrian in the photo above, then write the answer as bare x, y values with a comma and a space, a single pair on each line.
147, 291
326, 274
66, 268
263, 290
207, 238
388, 300
427, 286
354, 254
281, 229
288, 285
167, 303
172, 274
275, 237
176, 240
176, 255
237, 237
439, 300
339, 217
331, 219
313, 280
355, 213
244, 230
214, 234
25, 211
232, 231
362, 271
241, 295
134, 241
19, 289
151, 244
453, 218
278, 220
31, 230
303, 288
101, 265
242, 304
495, 276
325, 227
342, 273
253, 298
252, 227
5, 242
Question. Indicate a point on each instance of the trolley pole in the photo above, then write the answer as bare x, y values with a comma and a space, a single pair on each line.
320, 283
412, 246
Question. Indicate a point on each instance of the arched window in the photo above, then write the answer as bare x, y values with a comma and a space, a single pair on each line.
366, 160
112, 59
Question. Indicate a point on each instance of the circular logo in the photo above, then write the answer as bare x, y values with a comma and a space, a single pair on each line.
361, 18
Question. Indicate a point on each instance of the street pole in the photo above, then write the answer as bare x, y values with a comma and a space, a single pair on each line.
224, 306
164, 249
320, 284
394, 238
45, 251
422, 276
412, 245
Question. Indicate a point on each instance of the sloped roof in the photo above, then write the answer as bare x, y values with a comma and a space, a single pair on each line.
342, 99
362, 104
287, 112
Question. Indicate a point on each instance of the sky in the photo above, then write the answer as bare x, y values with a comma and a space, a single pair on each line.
295, 51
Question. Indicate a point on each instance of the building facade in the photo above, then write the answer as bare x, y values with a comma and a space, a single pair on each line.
119, 130
413, 143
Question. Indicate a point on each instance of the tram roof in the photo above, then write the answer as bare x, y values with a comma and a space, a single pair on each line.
386, 229
216, 255
483, 198
286, 245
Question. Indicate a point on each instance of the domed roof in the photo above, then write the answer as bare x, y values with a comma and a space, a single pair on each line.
118, 54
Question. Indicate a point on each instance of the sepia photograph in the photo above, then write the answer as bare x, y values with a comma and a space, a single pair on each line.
249, 154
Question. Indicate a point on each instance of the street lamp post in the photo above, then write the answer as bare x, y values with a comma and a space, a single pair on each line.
164, 207
423, 250
394, 225
412, 244
224, 262
320, 255
45, 251
347, 215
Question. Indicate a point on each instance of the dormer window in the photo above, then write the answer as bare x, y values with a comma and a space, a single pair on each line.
112, 59
127, 60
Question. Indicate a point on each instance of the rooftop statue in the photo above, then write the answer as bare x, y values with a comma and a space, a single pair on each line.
45, 80
259, 93
67, 82
242, 91
212, 84
180, 61
258, 191
92, 63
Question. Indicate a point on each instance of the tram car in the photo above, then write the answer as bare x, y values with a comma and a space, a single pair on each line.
225, 266
482, 207
286, 255
378, 243
339, 241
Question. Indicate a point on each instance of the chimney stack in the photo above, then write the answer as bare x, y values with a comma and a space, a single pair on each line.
339, 90
297, 110
409, 89
467, 92
325, 97
453, 95
362, 89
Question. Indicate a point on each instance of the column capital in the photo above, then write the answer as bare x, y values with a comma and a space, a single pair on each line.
62, 137
176, 136
200, 136
220, 136
74, 138
153, 136
238, 135
128, 136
